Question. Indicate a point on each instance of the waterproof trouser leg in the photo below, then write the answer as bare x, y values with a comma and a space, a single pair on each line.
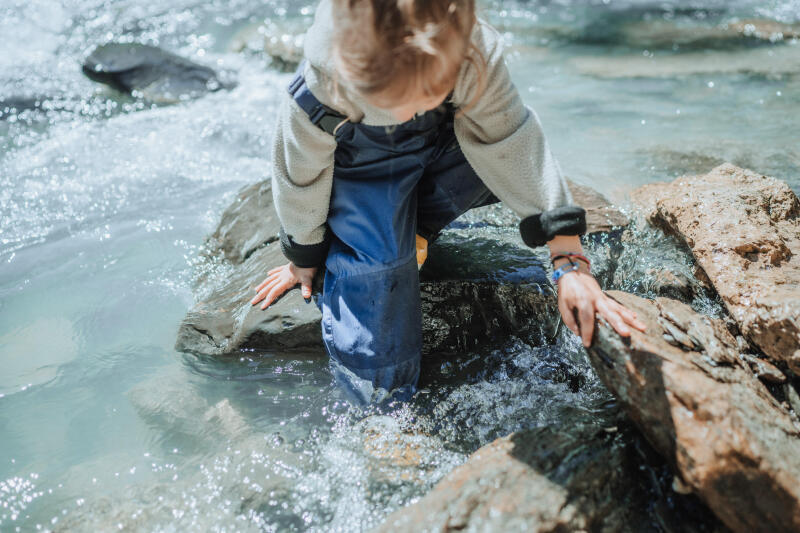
387, 184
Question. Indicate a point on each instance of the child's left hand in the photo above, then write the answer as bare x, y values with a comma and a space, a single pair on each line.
580, 298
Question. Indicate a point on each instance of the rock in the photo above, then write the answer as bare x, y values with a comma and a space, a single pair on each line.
282, 43
744, 231
249, 223
458, 314
659, 33
225, 321
670, 284
601, 216
701, 407
762, 61
166, 403
471, 293
467, 299
155, 74
581, 478
764, 370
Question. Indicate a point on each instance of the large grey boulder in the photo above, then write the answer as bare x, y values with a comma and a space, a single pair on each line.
149, 71
684, 385
471, 293
744, 231
458, 313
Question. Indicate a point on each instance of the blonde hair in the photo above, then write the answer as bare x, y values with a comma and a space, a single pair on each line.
390, 48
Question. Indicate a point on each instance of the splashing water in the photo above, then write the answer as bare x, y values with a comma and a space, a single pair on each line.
105, 200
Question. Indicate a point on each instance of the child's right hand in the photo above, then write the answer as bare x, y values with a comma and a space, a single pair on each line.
281, 279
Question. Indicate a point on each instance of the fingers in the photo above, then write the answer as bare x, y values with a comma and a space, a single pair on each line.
627, 315
306, 279
305, 289
275, 292
273, 275
613, 317
586, 318
264, 289
568, 317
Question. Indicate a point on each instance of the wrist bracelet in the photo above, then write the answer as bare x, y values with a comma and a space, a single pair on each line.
570, 257
563, 269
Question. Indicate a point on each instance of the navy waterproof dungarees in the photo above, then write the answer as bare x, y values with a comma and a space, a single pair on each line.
389, 184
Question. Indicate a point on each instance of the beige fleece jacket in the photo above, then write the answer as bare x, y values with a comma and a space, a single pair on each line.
499, 135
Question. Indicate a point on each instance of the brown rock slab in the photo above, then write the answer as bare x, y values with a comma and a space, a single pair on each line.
744, 231
581, 478
685, 387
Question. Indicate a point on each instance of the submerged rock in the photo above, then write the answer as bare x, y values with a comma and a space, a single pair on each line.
744, 231
660, 33
763, 61
684, 385
151, 72
580, 478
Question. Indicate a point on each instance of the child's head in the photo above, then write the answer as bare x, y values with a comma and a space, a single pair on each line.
403, 55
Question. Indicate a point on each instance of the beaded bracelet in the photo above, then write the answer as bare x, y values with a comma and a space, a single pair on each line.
566, 268
570, 256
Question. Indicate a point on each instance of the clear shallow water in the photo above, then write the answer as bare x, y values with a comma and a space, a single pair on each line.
105, 202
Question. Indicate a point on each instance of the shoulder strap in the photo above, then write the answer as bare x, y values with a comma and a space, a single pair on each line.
320, 115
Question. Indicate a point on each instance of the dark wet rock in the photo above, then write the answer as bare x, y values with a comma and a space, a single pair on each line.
458, 314
473, 290
601, 216
249, 223
670, 284
226, 322
151, 72
685, 387
744, 231
467, 300
581, 478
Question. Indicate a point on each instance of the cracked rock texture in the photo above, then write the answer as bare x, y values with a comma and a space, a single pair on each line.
685, 387
744, 231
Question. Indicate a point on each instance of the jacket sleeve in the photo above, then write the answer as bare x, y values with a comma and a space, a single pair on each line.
503, 141
302, 176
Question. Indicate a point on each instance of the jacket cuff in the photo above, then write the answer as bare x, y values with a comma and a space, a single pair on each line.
305, 255
537, 230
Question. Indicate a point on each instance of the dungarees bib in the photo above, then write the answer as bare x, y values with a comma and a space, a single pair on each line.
389, 184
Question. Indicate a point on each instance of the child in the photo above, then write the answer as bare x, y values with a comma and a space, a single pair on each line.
402, 117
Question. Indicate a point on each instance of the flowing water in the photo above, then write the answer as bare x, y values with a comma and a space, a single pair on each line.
105, 201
